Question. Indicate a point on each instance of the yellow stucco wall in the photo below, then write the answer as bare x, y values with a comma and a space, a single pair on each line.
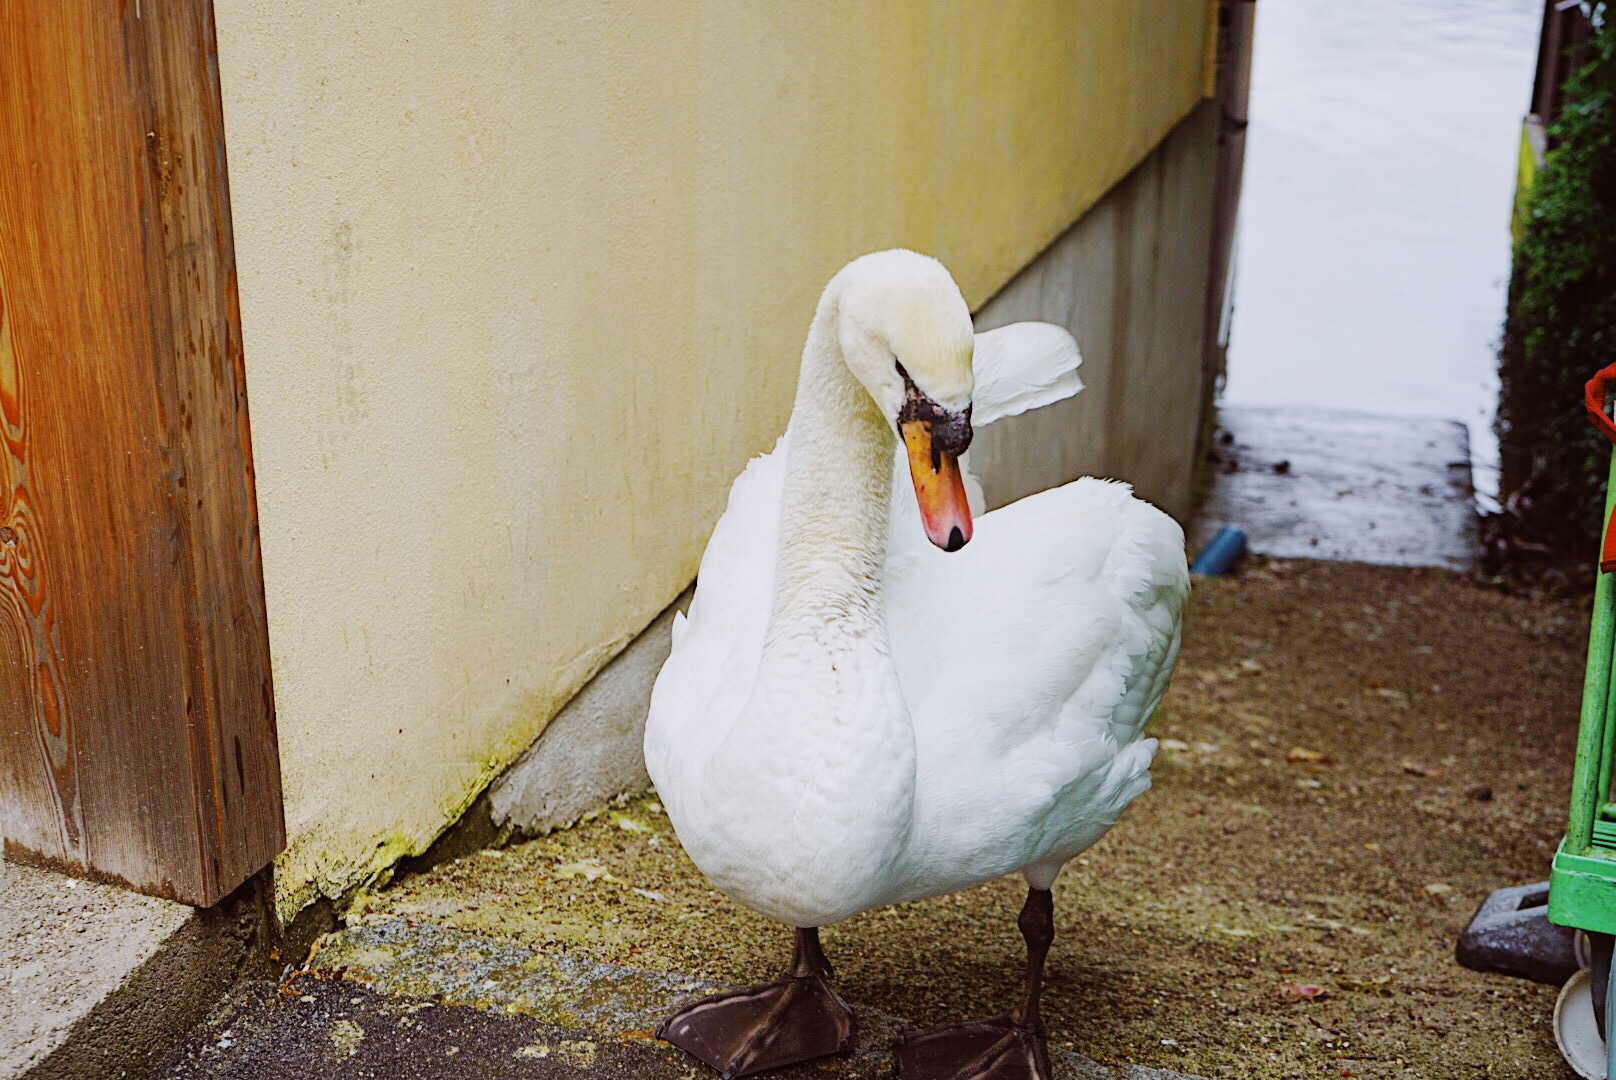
523, 286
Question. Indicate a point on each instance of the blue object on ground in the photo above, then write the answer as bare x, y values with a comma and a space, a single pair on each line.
1220, 553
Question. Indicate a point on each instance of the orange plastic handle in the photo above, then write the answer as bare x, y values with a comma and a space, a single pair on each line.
1594, 401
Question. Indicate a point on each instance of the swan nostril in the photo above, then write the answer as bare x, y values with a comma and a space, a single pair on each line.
956, 540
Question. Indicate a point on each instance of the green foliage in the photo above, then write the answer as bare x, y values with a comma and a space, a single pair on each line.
1562, 321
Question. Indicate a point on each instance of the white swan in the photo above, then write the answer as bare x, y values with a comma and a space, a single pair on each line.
851, 717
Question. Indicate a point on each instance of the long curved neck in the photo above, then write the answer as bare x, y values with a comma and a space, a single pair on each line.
833, 513
826, 730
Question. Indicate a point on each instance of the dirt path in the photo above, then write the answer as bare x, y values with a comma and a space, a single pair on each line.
1353, 757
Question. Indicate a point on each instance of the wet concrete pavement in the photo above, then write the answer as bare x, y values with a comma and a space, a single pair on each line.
328, 1028
1342, 486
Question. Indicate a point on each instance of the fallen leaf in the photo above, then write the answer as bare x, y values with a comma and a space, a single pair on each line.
1426, 772
1302, 991
345, 1036
1301, 755
588, 869
1231, 931
1174, 744
1438, 888
579, 1052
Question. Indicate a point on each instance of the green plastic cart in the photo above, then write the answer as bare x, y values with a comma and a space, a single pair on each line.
1582, 884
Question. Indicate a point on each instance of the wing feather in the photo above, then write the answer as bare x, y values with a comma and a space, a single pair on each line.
1022, 366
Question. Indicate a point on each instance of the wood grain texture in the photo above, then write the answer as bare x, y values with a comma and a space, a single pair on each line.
137, 737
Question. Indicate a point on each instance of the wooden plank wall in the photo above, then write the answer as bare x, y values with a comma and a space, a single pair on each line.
137, 734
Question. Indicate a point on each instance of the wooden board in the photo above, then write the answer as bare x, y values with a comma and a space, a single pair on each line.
137, 734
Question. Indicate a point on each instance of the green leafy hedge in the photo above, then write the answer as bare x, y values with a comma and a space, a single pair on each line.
1562, 323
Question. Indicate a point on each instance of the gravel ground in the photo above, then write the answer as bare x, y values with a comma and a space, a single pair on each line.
1353, 757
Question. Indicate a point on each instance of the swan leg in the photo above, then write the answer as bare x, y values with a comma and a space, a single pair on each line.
797, 1018
1008, 1047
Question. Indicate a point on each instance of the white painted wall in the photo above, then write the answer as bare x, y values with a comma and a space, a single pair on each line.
524, 284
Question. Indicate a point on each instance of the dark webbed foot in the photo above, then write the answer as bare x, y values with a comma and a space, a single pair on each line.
797, 1018
997, 1049
1009, 1047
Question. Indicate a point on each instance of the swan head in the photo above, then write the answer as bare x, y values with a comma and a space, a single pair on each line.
906, 334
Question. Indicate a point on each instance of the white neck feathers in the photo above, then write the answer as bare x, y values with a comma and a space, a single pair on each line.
833, 513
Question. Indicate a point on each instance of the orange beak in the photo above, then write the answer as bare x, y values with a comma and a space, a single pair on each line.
939, 487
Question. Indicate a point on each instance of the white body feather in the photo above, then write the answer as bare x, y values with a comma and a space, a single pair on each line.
985, 717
